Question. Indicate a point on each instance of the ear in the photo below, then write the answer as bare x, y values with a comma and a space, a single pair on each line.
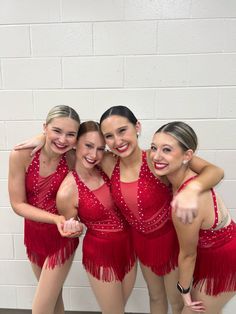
138, 127
188, 155
44, 128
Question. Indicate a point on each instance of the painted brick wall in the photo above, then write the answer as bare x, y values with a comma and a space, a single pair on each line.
166, 60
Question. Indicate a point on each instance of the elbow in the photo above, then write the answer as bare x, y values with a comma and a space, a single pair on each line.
17, 210
222, 173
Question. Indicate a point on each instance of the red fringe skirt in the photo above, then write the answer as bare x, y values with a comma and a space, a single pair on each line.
158, 250
108, 256
215, 268
43, 241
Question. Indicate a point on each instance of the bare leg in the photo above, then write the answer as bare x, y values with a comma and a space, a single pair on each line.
156, 290
173, 294
48, 296
109, 295
128, 282
59, 307
213, 304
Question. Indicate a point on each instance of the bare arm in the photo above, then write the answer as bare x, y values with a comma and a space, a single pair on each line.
17, 193
67, 204
186, 202
35, 142
188, 235
67, 197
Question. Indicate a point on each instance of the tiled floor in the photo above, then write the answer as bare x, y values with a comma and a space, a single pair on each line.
5, 311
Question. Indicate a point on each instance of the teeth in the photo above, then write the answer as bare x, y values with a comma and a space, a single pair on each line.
160, 166
60, 146
90, 161
122, 148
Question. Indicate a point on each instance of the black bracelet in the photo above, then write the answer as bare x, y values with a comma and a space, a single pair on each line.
181, 289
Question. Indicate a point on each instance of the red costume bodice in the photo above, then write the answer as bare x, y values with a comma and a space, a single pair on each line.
215, 267
210, 237
152, 198
43, 240
96, 208
41, 191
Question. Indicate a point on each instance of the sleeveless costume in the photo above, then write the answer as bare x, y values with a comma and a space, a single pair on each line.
43, 240
146, 206
215, 268
108, 252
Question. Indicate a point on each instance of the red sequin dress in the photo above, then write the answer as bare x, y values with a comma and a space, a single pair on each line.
146, 206
215, 268
43, 240
108, 252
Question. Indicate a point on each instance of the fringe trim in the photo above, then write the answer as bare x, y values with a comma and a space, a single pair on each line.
215, 270
107, 273
110, 256
158, 251
56, 259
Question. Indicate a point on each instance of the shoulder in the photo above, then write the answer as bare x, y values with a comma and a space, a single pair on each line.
67, 188
20, 157
70, 158
108, 163
67, 184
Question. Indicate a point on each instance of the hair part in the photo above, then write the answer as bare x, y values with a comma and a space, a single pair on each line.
62, 111
121, 111
89, 126
182, 132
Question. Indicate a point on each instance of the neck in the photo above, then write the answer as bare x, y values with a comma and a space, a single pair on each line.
178, 177
84, 172
133, 159
49, 154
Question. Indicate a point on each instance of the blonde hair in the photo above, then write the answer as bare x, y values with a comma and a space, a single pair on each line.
182, 132
62, 111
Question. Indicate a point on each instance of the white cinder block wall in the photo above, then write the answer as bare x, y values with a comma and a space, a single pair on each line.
166, 60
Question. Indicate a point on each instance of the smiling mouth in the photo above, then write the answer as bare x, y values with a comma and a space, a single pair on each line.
90, 161
159, 166
122, 148
59, 146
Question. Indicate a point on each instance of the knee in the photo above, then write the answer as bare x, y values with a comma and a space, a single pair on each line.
157, 297
177, 305
42, 308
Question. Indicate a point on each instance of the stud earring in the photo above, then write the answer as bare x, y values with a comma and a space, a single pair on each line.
137, 133
185, 162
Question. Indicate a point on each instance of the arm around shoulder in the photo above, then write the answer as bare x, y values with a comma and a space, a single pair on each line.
209, 174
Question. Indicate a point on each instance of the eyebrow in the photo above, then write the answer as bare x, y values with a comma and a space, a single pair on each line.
57, 128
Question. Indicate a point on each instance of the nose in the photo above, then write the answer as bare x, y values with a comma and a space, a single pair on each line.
93, 153
62, 138
117, 140
156, 155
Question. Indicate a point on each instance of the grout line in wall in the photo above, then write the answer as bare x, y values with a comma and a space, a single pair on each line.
180, 54
60, 12
30, 42
92, 31
120, 20
61, 68
1, 75
157, 35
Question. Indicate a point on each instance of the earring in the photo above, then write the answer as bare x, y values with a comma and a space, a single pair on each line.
184, 162
137, 133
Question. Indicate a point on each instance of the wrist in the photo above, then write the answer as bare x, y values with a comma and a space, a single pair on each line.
182, 290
